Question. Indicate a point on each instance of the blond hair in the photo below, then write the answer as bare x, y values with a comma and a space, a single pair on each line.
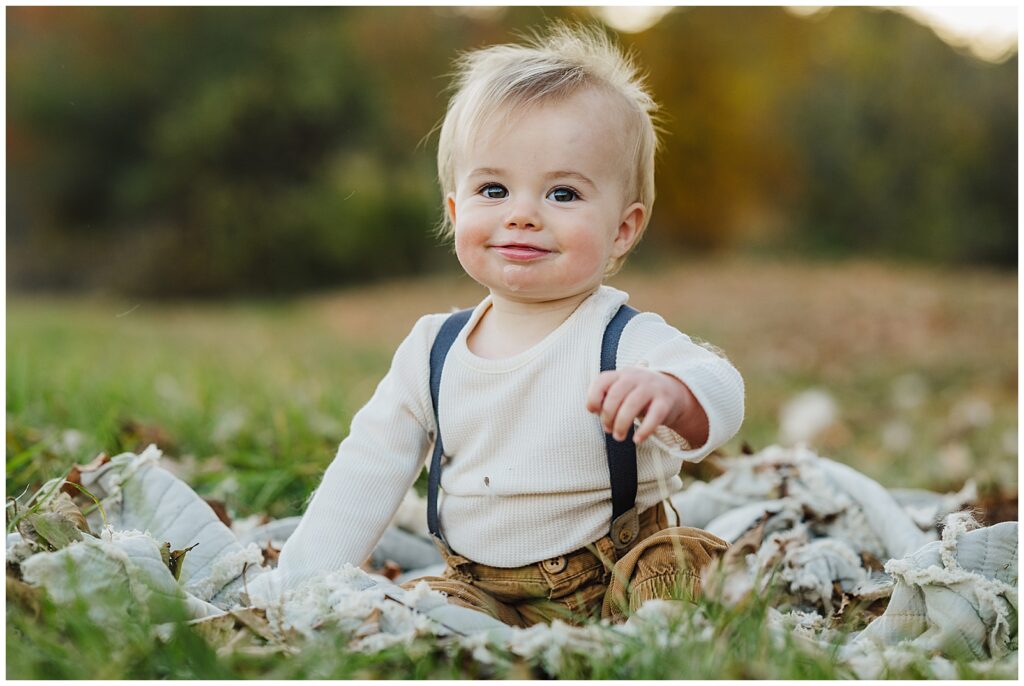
505, 80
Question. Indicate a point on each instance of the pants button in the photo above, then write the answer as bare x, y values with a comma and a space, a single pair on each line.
555, 564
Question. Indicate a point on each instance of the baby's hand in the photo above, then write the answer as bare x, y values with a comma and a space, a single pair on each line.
621, 396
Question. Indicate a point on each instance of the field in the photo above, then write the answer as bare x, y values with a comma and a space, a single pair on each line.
250, 399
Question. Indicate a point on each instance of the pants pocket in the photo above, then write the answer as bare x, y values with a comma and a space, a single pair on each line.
666, 565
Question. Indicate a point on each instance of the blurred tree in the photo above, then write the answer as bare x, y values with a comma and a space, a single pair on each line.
722, 75
906, 149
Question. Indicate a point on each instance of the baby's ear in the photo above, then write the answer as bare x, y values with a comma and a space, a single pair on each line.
629, 228
449, 202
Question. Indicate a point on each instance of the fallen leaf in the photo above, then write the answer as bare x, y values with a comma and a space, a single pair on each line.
134, 434
871, 562
391, 570
241, 640
995, 506
64, 506
844, 599
74, 477
217, 630
255, 619
29, 534
219, 509
270, 554
96, 463
750, 542
237, 629
176, 559
370, 625
48, 530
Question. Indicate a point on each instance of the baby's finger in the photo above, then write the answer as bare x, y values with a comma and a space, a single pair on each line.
612, 400
630, 409
595, 395
654, 418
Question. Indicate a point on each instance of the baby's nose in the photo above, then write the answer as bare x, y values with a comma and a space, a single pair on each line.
522, 218
519, 223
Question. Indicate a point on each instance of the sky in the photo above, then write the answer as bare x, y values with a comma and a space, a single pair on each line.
988, 32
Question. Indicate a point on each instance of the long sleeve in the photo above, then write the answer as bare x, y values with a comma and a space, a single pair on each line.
527, 472
373, 469
649, 342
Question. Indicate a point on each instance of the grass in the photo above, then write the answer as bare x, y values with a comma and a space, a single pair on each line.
61, 642
249, 400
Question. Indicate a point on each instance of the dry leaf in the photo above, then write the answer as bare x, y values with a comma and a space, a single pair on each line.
750, 542
75, 475
29, 535
370, 625
995, 506
48, 530
64, 506
176, 558
217, 630
237, 629
844, 599
871, 562
219, 509
135, 434
240, 640
270, 554
255, 619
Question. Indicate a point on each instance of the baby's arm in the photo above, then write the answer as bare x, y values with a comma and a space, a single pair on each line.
374, 468
686, 397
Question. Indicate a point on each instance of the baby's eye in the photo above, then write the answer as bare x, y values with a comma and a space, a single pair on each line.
494, 190
563, 194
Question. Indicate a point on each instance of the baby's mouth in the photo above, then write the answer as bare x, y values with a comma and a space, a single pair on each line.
520, 252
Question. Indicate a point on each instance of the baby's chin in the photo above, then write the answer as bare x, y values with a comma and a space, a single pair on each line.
518, 284
519, 278
530, 282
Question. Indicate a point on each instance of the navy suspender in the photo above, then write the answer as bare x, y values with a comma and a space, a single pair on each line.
621, 454
438, 352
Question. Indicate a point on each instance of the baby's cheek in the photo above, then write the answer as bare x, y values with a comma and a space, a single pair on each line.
590, 258
468, 252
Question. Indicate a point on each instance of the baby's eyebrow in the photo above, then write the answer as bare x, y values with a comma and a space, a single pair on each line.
561, 173
571, 174
486, 171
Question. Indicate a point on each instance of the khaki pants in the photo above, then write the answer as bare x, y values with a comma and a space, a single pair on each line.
588, 583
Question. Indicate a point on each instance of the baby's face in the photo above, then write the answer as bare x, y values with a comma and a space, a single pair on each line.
540, 207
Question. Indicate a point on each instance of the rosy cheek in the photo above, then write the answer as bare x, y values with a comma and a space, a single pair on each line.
590, 252
467, 250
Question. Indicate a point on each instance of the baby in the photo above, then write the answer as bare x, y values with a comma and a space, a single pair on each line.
546, 162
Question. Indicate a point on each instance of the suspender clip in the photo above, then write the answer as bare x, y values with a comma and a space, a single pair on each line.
625, 529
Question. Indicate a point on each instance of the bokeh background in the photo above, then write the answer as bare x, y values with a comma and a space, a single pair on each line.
211, 151
219, 226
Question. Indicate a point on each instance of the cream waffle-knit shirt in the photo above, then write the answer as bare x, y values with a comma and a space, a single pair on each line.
527, 476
